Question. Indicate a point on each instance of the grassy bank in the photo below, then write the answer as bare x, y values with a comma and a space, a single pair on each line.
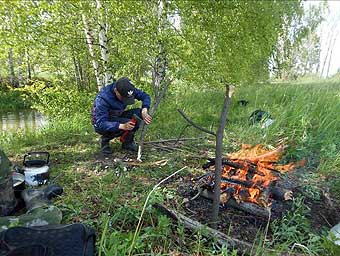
109, 195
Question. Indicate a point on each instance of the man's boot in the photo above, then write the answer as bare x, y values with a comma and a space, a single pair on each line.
105, 146
35, 198
40, 210
129, 143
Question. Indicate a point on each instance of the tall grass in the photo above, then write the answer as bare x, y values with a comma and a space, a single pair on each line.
306, 117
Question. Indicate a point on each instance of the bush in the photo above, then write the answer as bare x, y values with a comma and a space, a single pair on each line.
10, 100
59, 101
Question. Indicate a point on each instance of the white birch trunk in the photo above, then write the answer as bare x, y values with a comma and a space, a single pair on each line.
20, 78
76, 77
11, 67
159, 71
103, 43
331, 53
28, 67
90, 42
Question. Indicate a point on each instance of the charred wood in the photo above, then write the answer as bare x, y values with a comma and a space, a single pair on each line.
244, 183
249, 166
244, 206
249, 208
281, 194
195, 226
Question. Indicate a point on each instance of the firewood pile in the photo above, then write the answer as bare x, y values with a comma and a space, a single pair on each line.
250, 179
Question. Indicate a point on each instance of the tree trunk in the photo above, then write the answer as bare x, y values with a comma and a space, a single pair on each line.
331, 52
103, 43
329, 39
11, 67
28, 67
90, 42
160, 85
20, 78
218, 155
76, 77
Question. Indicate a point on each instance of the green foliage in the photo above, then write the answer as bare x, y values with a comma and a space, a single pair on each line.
211, 40
231, 40
13, 100
297, 50
330, 248
59, 101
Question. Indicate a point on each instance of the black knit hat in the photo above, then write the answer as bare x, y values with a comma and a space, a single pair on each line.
126, 89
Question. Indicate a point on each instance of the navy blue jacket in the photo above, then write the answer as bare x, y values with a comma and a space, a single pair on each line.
107, 105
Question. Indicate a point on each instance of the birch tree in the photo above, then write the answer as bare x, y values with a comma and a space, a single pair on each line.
20, 77
160, 80
11, 67
103, 43
90, 43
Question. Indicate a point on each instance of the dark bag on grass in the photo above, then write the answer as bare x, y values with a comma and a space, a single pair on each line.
49, 240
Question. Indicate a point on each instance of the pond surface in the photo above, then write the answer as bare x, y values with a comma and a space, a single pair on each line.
21, 120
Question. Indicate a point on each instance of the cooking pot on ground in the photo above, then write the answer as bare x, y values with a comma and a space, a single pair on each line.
35, 167
18, 183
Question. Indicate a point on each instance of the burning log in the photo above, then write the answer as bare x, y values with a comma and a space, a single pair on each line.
244, 206
249, 208
245, 183
253, 173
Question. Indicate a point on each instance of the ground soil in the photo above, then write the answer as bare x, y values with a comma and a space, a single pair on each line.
242, 225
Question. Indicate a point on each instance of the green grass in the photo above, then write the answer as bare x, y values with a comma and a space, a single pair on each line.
109, 197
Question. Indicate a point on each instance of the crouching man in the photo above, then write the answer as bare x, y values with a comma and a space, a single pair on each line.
109, 117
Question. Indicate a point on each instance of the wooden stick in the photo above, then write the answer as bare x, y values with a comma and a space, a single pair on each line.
195, 226
218, 154
174, 140
195, 125
153, 109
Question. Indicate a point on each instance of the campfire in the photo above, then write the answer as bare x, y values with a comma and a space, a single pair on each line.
249, 179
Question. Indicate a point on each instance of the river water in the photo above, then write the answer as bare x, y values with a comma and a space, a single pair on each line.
23, 120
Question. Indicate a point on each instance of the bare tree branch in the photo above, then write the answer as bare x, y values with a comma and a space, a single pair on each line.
195, 125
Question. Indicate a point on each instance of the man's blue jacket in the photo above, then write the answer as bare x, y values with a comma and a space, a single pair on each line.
107, 105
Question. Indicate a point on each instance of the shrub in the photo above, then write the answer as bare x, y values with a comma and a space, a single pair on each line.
59, 101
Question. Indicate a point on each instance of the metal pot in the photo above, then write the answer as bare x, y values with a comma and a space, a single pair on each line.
18, 183
36, 166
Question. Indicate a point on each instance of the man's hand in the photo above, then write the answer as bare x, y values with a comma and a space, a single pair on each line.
127, 126
146, 117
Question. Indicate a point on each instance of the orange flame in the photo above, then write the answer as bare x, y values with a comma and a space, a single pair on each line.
259, 168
